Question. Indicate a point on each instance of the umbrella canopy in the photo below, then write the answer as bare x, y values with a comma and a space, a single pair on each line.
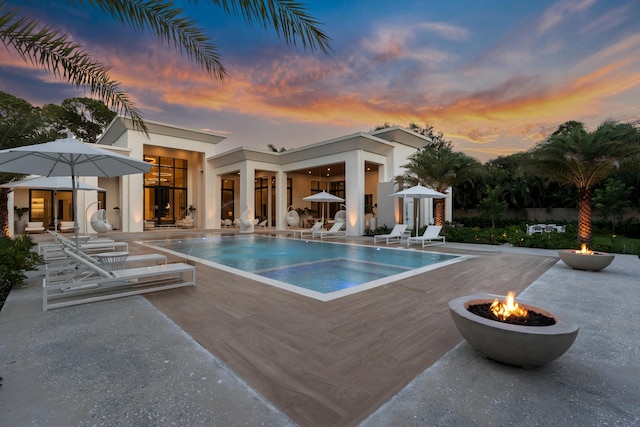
419, 192
69, 157
323, 196
52, 183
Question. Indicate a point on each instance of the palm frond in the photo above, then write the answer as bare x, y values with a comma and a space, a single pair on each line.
164, 22
52, 50
287, 17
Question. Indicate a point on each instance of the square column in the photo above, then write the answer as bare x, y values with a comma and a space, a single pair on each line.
354, 192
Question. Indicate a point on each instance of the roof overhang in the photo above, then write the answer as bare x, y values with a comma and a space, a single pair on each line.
120, 125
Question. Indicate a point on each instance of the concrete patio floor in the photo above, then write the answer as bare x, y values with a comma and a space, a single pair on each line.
124, 363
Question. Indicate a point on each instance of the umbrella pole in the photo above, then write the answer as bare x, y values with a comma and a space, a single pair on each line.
74, 203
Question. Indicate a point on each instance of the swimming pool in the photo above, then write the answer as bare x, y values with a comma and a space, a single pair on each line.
319, 270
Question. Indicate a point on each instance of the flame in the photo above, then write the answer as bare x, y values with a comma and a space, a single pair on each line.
584, 250
509, 307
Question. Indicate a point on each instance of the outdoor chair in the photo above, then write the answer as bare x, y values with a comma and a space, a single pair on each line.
99, 284
335, 231
396, 234
309, 231
34, 227
66, 226
430, 237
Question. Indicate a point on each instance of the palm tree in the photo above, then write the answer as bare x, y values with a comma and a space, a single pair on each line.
574, 156
54, 50
441, 168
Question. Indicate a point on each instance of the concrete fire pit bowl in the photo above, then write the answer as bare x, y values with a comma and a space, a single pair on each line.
595, 261
526, 346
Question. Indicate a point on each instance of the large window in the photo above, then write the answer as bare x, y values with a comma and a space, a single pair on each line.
165, 189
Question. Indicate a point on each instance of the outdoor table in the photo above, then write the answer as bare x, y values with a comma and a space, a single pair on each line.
112, 260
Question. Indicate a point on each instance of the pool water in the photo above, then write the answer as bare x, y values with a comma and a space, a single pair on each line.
316, 269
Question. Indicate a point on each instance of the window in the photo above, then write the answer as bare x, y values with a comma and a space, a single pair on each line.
165, 189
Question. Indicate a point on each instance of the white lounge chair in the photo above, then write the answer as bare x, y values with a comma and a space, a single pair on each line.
335, 231
430, 237
263, 223
52, 250
99, 284
67, 265
396, 234
227, 223
308, 232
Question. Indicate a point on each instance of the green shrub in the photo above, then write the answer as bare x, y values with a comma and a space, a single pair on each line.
17, 257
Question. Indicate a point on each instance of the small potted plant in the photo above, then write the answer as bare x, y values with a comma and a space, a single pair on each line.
19, 223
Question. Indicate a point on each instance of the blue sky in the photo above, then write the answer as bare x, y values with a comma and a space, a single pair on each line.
495, 76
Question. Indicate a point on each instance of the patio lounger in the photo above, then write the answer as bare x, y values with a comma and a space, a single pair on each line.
396, 234
57, 268
430, 237
99, 284
335, 231
309, 231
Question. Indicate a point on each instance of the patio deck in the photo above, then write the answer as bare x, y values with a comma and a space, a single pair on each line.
345, 362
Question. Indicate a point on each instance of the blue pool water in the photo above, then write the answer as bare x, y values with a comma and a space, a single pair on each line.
317, 269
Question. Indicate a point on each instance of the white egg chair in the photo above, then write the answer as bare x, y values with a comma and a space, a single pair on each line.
99, 221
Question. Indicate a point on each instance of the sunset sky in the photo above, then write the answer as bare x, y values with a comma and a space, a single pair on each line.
495, 76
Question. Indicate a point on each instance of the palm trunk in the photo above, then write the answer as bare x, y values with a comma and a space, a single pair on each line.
439, 214
584, 216
4, 211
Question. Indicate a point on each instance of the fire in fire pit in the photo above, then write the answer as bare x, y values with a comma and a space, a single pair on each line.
584, 250
510, 312
509, 307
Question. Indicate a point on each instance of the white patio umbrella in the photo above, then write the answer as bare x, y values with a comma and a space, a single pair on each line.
69, 157
52, 183
322, 197
419, 192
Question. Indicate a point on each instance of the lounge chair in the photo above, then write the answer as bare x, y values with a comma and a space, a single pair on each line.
34, 227
335, 231
99, 284
227, 223
309, 231
396, 234
430, 237
263, 223
52, 250
67, 265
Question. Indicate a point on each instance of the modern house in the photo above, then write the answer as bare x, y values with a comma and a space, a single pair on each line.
244, 182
